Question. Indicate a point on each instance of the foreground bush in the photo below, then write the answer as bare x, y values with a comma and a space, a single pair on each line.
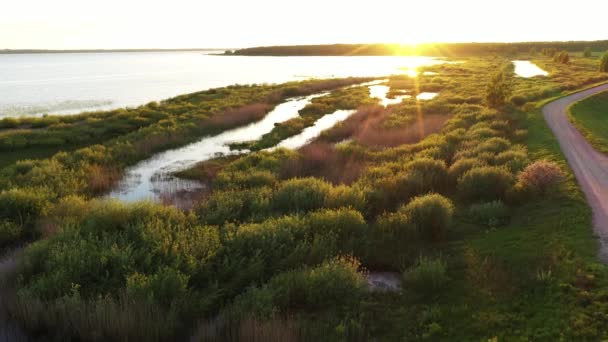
335, 283
101, 319
540, 176
492, 214
113, 243
10, 232
431, 214
427, 277
486, 183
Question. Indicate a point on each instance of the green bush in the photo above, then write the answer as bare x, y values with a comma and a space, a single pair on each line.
461, 166
500, 88
396, 226
431, 214
387, 193
344, 196
493, 145
343, 230
515, 159
235, 206
491, 214
301, 195
24, 206
486, 183
10, 232
244, 179
335, 284
427, 277
163, 287
113, 242
434, 173
588, 52
604, 63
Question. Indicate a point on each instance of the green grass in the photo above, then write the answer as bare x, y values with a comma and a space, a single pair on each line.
590, 116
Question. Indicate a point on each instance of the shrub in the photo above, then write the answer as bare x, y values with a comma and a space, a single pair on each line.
10, 232
235, 206
431, 214
163, 287
24, 206
342, 230
518, 100
347, 197
499, 89
388, 192
492, 214
604, 63
300, 195
588, 52
562, 57
515, 159
434, 173
70, 209
460, 167
244, 179
540, 176
427, 276
486, 183
335, 283
396, 226
493, 145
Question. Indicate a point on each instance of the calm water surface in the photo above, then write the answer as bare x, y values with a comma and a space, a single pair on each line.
35, 84
528, 69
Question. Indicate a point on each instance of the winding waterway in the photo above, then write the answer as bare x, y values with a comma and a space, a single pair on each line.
153, 179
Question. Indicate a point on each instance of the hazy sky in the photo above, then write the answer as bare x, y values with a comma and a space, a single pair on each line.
77, 24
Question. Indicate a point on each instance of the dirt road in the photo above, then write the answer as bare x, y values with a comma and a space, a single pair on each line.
590, 166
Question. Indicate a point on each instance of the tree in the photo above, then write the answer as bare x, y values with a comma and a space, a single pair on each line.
550, 52
500, 87
587, 53
562, 57
604, 63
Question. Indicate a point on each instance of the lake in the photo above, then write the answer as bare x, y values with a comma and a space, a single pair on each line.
67, 83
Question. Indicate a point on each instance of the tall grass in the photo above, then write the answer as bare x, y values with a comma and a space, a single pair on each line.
323, 160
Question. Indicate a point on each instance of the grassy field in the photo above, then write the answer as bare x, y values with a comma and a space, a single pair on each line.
590, 116
280, 247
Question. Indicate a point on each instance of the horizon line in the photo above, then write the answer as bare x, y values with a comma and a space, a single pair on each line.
276, 45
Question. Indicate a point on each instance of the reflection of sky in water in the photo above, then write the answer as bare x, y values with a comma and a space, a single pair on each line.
149, 178
528, 69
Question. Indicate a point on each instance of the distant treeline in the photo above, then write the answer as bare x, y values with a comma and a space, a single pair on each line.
23, 51
439, 49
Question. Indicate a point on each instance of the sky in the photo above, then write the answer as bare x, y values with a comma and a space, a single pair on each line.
120, 24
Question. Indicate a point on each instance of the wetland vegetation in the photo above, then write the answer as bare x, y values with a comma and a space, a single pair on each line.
465, 196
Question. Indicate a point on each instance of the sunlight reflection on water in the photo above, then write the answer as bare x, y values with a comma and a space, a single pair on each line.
528, 69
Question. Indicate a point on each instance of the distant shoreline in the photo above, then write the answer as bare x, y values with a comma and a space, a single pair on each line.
423, 49
42, 51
